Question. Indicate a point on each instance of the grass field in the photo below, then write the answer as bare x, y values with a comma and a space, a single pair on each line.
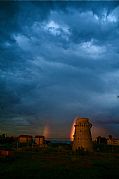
60, 164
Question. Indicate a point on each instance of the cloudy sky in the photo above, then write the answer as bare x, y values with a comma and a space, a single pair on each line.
59, 60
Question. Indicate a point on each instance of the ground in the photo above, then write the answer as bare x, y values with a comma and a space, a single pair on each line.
56, 164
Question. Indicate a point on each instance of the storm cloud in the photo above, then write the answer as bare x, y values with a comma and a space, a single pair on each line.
58, 60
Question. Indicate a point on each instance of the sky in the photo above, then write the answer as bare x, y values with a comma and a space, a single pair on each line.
59, 60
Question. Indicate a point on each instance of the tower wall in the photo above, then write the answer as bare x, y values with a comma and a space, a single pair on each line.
82, 135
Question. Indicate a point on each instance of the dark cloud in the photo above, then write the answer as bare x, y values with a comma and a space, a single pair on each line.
8, 19
58, 60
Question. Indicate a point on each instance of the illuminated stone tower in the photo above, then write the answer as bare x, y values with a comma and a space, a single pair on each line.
82, 135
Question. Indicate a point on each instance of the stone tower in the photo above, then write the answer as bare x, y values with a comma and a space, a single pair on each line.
82, 135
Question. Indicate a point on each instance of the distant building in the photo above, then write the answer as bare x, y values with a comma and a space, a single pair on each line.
101, 140
25, 139
39, 140
6, 153
112, 141
82, 135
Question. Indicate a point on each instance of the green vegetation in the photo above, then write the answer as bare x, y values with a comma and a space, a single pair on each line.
54, 164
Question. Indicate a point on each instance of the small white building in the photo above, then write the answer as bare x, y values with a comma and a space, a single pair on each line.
39, 140
112, 141
25, 139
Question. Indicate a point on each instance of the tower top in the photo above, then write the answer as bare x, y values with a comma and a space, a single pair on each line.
82, 119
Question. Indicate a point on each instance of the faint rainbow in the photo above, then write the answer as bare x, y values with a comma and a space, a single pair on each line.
46, 131
72, 130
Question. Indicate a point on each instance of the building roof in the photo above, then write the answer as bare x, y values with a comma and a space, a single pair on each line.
39, 136
81, 120
26, 136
